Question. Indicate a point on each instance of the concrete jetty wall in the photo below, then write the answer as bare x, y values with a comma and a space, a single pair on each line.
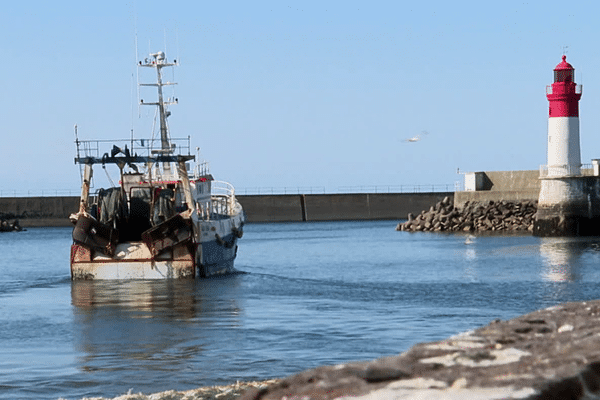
55, 211
39, 211
336, 207
516, 186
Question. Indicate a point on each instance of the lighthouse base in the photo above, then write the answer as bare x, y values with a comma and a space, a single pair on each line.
566, 225
568, 206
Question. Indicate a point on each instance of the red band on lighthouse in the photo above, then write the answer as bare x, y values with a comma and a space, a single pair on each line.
564, 93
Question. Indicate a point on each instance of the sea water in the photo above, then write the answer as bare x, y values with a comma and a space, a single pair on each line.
307, 294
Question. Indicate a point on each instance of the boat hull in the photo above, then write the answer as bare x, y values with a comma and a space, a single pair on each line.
134, 261
142, 269
216, 257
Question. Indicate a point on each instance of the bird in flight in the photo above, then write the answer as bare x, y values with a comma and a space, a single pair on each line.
416, 138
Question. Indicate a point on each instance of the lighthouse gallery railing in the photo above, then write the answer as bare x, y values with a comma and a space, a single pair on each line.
566, 170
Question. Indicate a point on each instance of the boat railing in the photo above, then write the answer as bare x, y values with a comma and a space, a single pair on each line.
215, 208
225, 192
220, 205
142, 147
201, 169
221, 202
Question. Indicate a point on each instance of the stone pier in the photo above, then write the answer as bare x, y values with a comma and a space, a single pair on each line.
547, 354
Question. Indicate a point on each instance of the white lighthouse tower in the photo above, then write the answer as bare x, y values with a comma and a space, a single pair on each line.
567, 201
564, 154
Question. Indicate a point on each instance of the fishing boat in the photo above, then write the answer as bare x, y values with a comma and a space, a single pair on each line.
166, 218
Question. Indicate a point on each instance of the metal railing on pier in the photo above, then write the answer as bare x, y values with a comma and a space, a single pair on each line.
40, 193
397, 188
347, 189
281, 190
264, 190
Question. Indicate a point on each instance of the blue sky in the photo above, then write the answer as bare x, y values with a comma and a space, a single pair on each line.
298, 94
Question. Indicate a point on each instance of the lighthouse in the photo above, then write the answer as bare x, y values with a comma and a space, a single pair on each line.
569, 199
564, 154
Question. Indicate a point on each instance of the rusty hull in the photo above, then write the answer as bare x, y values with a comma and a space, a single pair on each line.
132, 260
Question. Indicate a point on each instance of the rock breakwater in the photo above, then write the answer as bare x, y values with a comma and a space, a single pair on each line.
10, 226
508, 216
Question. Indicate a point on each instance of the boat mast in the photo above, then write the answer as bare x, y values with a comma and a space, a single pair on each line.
164, 139
158, 61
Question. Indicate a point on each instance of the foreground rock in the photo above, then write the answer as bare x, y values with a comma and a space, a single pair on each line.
503, 215
548, 354
228, 392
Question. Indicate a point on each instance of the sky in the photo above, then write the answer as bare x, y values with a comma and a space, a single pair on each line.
297, 95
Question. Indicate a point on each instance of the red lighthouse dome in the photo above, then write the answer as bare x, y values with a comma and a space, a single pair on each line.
564, 94
564, 65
